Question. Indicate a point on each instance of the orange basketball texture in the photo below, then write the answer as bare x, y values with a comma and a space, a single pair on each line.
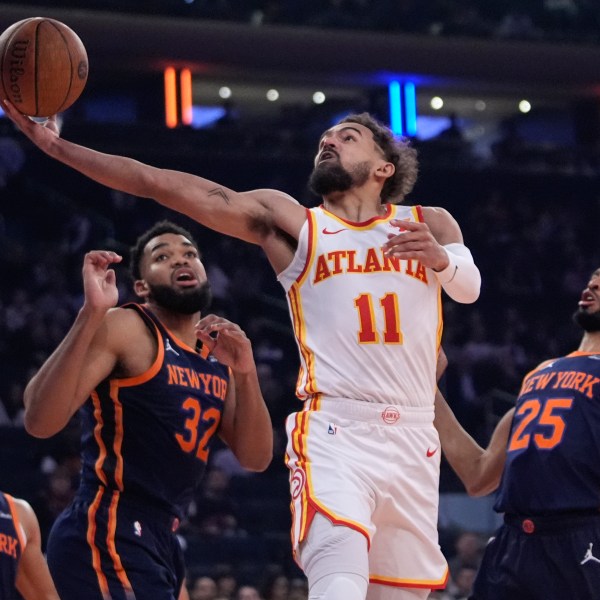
43, 66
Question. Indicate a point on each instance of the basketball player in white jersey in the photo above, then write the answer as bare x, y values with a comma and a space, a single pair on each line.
363, 277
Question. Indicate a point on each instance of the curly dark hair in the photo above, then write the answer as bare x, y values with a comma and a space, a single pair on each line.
137, 250
396, 150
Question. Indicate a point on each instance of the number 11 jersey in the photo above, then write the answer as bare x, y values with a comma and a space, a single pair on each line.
368, 326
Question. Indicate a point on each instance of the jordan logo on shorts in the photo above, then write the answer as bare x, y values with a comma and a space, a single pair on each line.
169, 348
589, 556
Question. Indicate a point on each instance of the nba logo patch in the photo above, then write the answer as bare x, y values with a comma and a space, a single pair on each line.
332, 429
137, 528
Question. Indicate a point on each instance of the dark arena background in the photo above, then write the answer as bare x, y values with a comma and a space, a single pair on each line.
502, 102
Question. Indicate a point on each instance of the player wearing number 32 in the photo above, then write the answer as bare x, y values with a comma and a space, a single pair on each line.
545, 456
363, 277
154, 384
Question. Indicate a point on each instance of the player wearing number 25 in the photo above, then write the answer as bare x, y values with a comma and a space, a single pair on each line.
545, 456
363, 278
154, 383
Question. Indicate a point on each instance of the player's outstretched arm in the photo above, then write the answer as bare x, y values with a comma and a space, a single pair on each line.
479, 469
253, 216
246, 424
33, 578
82, 359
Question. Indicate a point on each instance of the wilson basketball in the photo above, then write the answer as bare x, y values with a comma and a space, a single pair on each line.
43, 66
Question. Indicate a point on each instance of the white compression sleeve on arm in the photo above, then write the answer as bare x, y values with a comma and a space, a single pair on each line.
461, 279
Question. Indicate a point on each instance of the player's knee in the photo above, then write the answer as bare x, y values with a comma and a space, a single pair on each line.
341, 586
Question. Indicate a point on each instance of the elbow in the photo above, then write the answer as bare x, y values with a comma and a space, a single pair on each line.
470, 297
36, 426
258, 463
468, 293
40, 425
477, 489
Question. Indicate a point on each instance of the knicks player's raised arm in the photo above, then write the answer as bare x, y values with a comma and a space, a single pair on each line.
33, 577
87, 354
252, 216
480, 470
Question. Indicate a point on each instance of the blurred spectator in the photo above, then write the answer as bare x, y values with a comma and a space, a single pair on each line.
213, 512
275, 585
468, 552
57, 494
298, 589
203, 588
463, 583
226, 581
248, 592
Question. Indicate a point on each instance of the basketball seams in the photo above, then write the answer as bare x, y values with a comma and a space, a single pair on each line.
68, 47
36, 72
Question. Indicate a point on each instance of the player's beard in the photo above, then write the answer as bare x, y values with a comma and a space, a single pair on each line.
329, 177
588, 321
184, 301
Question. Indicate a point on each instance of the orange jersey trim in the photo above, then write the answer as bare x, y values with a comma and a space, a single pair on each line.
364, 225
110, 542
17, 521
294, 295
119, 430
309, 504
91, 536
312, 244
438, 584
298, 445
308, 368
152, 371
98, 437
417, 211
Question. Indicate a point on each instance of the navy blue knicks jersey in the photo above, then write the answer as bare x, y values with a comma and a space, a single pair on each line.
12, 543
553, 452
148, 437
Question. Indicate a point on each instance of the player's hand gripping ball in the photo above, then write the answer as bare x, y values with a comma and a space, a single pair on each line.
43, 66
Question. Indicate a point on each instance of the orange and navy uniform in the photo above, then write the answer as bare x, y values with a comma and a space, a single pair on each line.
549, 545
12, 544
145, 444
555, 437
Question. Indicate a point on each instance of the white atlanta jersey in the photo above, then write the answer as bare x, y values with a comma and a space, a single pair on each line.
368, 327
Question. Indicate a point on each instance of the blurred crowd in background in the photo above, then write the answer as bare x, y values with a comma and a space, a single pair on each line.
528, 213
535, 20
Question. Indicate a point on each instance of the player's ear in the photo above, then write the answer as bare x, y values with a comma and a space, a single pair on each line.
140, 287
385, 169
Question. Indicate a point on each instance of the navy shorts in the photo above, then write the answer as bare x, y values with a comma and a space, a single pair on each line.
542, 558
106, 548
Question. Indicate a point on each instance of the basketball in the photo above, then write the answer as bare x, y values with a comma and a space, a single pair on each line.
43, 66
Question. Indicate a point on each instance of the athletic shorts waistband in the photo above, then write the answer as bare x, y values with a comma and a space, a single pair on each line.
388, 414
139, 507
552, 523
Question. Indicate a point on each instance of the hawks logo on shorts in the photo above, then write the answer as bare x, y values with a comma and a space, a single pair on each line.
390, 415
